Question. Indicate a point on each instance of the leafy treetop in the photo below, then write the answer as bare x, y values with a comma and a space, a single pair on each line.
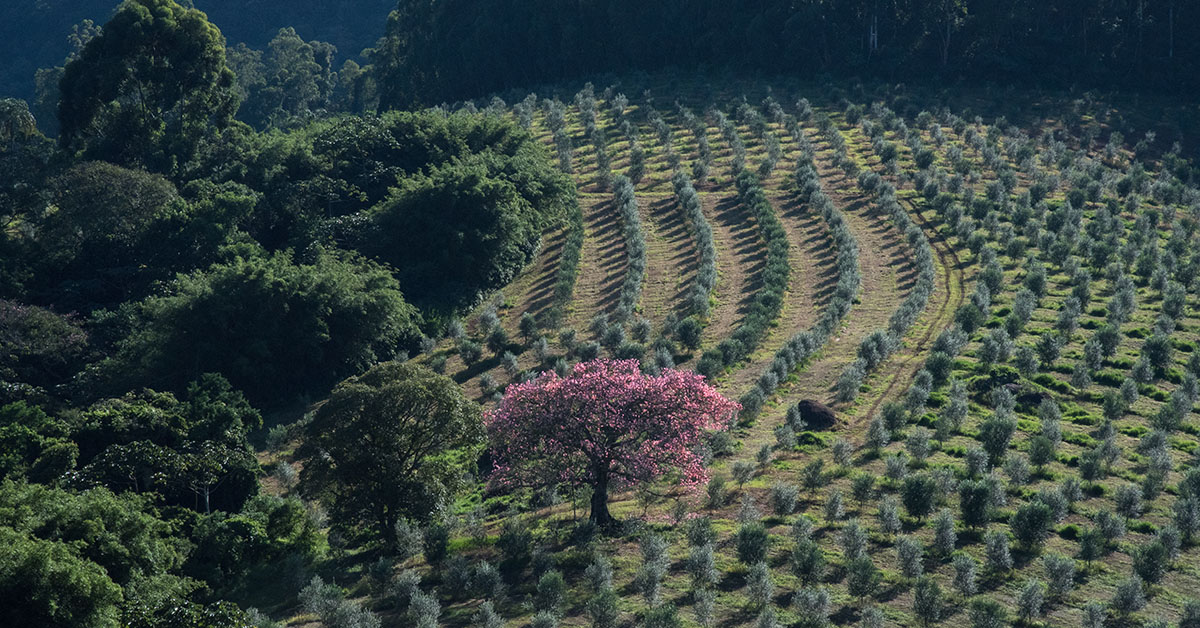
148, 87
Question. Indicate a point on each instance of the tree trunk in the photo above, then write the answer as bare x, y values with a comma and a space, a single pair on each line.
946, 42
600, 515
1171, 31
387, 526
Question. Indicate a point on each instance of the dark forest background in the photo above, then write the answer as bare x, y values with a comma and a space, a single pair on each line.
460, 48
455, 49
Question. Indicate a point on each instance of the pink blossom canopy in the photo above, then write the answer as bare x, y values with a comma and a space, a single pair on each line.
605, 422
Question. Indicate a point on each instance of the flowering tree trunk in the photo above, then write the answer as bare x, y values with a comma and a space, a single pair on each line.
600, 515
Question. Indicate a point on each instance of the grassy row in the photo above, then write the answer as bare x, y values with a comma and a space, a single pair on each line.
879, 345
768, 301
803, 345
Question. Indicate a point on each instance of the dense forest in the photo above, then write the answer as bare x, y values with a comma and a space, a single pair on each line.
452, 49
732, 314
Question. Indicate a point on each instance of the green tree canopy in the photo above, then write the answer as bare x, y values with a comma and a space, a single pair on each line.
39, 349
292, 79
33, 445
274, 329
121, 533
94, 558
44, 583
456, 232
148, 87
193, 452
268, 529
394, 442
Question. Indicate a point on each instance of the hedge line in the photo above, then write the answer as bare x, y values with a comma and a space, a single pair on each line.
635, 248
706, 275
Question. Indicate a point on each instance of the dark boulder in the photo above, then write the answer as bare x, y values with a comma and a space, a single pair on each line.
817, 415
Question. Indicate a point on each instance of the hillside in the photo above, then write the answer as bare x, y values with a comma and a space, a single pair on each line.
608, 314
1011, 219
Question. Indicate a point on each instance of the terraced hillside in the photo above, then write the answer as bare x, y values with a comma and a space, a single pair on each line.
1003, 318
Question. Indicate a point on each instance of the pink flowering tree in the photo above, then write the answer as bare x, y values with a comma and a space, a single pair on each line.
606, 425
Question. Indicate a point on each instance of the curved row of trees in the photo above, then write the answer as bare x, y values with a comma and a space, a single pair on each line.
702, 166
878, 346
568, 265
706, 274
635, 248
803, 345
768, 300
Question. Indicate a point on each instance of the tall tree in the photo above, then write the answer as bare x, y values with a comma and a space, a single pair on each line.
605, 425
148, 87
393, 442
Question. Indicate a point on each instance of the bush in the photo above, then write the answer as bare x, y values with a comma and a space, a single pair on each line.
599, 573
701, 566
436, 543
862, 577
1060, 571
808, 561
783, 498
909, 554
927, 600
853, 540
515, 543
1031, 599
486, 617
602, 608
1031, 524
752, 541
944, 535
850, 380
551, 592
1150, 561
486, 581
759, 585
919, 494
835, 507
1129, 597
424, 610
998, 556
987, 613
665, 616
889, 515
965, 569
